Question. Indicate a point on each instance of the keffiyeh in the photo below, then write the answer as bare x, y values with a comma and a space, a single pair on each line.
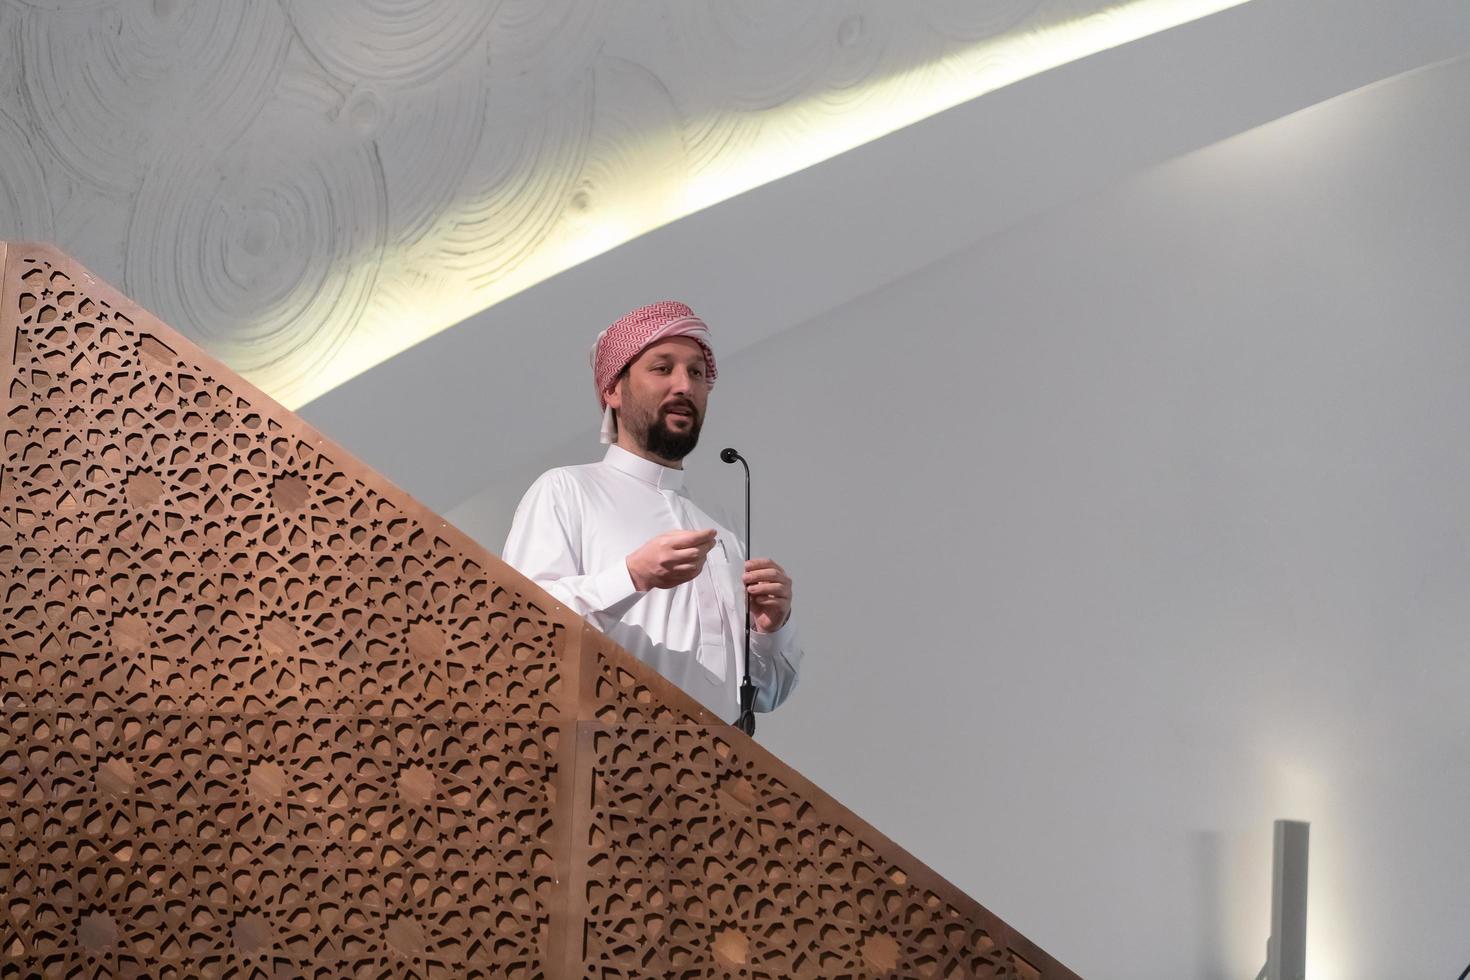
620, 344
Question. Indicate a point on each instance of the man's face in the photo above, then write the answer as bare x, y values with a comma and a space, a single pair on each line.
661, 398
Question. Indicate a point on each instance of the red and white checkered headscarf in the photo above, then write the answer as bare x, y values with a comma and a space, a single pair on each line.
620, 344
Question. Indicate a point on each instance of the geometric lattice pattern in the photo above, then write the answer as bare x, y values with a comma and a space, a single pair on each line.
264, 715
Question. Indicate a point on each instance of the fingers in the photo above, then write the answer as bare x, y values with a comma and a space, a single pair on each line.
683, 554
769, 590
770, 605
687, 554
767, 585
694, 560
670, 559
690, 539
764, 571
687, 557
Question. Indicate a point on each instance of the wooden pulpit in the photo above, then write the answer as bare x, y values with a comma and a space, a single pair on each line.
264, 715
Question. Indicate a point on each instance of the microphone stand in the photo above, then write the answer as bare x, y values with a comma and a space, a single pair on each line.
746, 721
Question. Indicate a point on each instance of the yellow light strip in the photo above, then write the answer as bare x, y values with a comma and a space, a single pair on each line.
633, 208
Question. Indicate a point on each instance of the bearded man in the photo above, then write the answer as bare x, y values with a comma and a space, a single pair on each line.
621, 543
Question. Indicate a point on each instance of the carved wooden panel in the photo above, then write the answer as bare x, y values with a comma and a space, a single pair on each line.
263, 715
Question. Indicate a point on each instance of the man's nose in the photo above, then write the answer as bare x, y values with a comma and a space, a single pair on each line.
683, 383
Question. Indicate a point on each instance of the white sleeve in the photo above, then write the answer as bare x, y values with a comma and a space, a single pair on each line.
775, 661
545, 546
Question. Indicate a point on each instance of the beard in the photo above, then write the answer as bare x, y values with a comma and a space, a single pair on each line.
650, 428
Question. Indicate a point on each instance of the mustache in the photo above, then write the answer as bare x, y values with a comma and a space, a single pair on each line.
678, 403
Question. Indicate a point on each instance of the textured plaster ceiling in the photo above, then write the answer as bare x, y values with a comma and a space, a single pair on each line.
312, 186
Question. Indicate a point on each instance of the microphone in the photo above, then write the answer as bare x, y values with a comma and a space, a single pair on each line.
746, 721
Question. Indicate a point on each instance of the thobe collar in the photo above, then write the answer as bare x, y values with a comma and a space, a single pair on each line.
646, 470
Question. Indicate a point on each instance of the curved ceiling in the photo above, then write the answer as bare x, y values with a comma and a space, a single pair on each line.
310, 188
450, 415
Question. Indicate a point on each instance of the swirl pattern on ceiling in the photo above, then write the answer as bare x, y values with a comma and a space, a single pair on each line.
22, 183
115, 88
310, 188
268, 252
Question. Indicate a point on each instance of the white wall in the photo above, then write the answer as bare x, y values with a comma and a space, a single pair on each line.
1140, 525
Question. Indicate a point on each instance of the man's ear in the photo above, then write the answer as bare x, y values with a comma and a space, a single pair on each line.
614, 394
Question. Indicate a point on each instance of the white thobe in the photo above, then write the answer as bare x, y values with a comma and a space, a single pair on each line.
572, 534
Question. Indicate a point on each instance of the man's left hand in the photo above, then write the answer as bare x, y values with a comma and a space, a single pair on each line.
768, 590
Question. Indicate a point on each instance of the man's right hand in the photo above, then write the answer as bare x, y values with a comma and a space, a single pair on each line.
670, 559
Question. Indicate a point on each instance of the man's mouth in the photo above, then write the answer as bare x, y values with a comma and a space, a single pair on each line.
680, 410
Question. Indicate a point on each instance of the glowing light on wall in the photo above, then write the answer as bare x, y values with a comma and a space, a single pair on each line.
1301, 789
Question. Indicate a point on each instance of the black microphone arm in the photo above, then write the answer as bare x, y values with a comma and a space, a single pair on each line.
746, 721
